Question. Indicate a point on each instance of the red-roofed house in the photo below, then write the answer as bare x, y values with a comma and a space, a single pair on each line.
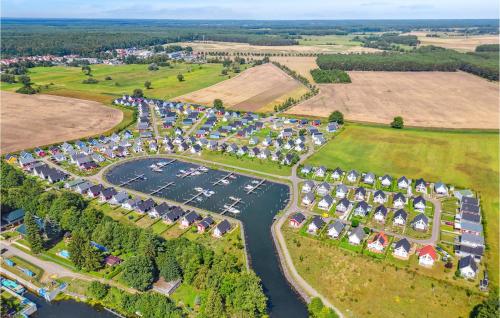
379, 242
112, 260
427, 255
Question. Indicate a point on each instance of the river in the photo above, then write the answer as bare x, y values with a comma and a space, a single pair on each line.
257, 214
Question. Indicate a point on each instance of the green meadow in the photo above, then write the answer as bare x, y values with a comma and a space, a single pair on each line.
345, 40
464, 159
67, 81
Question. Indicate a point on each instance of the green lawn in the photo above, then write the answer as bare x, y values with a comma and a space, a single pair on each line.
329, 40
67, 81
465, 159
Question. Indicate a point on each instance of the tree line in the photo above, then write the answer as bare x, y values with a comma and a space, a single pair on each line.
227, 288
330, 76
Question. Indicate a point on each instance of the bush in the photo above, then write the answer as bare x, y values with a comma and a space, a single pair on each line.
330, 76
26, 90
90, 80
337, 117
354, 223
180, 77
138, 93
398, 122
97, 290
108, 78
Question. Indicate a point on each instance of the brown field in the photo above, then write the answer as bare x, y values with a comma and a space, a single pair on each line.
28, 121
457, 42
232, 47
251, 90
424, 99
300, 64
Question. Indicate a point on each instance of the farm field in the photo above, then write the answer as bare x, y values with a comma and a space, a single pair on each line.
363, 287
424, 99
317, 45
300, 64
464, 159
28, 121
251, 90
456, 42
67, 81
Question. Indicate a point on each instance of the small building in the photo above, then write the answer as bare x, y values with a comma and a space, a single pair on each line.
308, 199
222, 228
427, 256
400, 217
204, 224
297, 219
189, 219
378, 243
357, 236
380, 214
12, 218
316, 224
325, 203
420, 222
467, 267
112, 260
402, 248
335, 229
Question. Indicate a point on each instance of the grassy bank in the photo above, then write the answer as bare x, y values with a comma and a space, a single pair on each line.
464, 159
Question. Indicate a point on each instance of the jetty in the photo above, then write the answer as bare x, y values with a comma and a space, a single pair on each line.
227, 176
137, 177
162, 164
162, 188
255, 187
230, 206
193, 197
191, 172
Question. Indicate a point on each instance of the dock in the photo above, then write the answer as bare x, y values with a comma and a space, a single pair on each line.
193, 197
137, 177
190, 172
255, 187
223, 178
232, 205
161, 188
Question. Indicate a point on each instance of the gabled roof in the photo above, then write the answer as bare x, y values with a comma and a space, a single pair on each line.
381, 209
401, 213
224, 226
420, 217
337, 225
379, 193
467, 261
403, 243
358, 232
428, 250
298, 217
318, 221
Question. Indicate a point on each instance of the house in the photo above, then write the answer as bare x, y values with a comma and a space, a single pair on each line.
335, 229
189, 219
352, 176
182, 147
470, 227
204, 224
420, 222
379, 197
253, 141
319, 139
316, 224
471, 240
308, 198
12, 218
440, 188
323, 188
421, 186
320, 172
264, 154
95, 190
378, 243
325, 203
380, 214
357, 236
308, 186
360, 194
476, 252
82, 187
275, 156
467, 267
130, 204
173, 215
419, 203
343, 205
254, 152
332, 127
361, 209
195, 149
288, 160
400, 217
107, 194
427, 256
300, 148
159, 210
222, 228
297, 219
145, 206
402, 248
399, 200
386, 181
403, 183
369, 178
118, 198
337, 174
112, 260
341, 191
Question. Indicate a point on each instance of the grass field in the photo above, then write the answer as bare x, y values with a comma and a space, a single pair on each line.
67, 81
455, 41
362, 286
345, 40
464, 159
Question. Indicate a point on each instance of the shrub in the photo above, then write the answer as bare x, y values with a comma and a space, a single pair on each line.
337, 117
398, 122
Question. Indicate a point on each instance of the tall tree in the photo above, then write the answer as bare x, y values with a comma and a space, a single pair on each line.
138, 272
76, 248
180, 77
92, 258
398, 122
213, 306
337, 117
168, 267
33, 233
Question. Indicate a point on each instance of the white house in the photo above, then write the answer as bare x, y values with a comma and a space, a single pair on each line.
468, 267
356, 236
427, 255
325, 203
402, 248
335, 228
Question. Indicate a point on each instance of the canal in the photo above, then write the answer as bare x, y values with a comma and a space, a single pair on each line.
257, 211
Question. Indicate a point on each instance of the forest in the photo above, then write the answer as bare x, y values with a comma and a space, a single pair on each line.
89, 37
227, 288
387, 41
427, 58
330, 76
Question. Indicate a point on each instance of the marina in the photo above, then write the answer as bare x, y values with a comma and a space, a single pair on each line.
162, 188
126, 182
256, 210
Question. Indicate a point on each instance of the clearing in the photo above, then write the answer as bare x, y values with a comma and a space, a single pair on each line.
464, 159
424, 99
29, 121
67, 81
457, 42
300, 64
251, 90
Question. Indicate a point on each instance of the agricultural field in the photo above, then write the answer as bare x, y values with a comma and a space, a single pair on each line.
424, 99
34, 120
251, 90
300, 64
464, 159
67, 81
364, 287
457, 42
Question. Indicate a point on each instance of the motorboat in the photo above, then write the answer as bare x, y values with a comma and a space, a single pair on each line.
248, 187
234, 210
157, 169
199, 189
225, 181
153, 166
202, 168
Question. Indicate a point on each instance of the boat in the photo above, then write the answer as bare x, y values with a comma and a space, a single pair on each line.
234, 198
202, 168
162, 164
199, 189
153, 166
225, 181
255, 181
234, 210
157, 169
196, 173
232, 177
199, 199
249, 187
182, 171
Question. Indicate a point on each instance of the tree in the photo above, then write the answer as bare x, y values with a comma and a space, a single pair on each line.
180, 77
25, 80
213, 306
76, 248
33, 233
138, 272
138, 93
168, 267
337, 117
8, 78
86, 70
224, 71
397, 122
92, 258
218, 104
97, 290
489, 308
147, 84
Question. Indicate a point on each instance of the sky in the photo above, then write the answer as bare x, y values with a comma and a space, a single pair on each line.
252, 9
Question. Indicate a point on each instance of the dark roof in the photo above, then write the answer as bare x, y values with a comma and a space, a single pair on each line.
419, 217
401, 213
472, 208
420, 181
162, 208
467, 261
360, 190
399, 195
191, 217
469, 200
12, 216
174, 214
478, 250
379, 192
344, 202
418, 199
381, 209
109, 192
362, 205
318, 221
96, 189
224, 226
404, 243
206, 222
145, 206
298, 217
476, 218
